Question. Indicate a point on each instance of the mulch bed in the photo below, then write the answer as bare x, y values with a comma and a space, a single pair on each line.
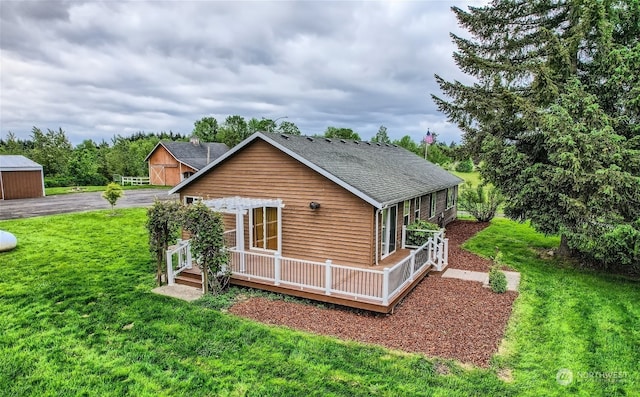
446, 318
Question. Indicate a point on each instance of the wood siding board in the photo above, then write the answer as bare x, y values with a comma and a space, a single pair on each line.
22, 184
340, 230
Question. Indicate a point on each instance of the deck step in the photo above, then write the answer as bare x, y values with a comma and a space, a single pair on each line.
197, 283
191, 274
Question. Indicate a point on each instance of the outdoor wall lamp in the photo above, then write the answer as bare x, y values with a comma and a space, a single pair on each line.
313, 205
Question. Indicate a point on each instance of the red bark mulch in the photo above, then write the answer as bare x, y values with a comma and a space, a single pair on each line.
446, 318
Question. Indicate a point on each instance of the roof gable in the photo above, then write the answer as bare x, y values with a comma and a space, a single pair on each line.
18, 163
378, 173
193, 155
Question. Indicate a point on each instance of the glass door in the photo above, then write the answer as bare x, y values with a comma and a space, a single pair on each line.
389, 225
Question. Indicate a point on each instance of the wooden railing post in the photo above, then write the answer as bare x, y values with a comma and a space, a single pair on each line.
189, 259
385, 287
446, 252
412, 263
404, 236
327, 277
170, 279
277, 262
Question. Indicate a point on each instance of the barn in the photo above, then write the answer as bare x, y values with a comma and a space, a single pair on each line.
20, 178
172, 162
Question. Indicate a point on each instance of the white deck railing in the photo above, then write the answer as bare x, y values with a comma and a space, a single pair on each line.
441, 246
180, 262
356, 283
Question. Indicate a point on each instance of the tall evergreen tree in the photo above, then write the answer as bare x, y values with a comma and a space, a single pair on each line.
554, 113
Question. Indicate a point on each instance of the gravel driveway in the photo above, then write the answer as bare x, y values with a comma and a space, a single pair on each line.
76, 202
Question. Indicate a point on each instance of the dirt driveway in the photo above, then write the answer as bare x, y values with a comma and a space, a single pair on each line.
76, 202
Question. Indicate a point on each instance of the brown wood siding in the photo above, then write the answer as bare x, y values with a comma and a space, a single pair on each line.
21, 184
164, 169
441, 207
340, 230
1, 189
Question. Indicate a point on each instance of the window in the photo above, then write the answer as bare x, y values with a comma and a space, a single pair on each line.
432, 210
406, 212
264, 228
451, 197
191, 199
416, 209
389, 218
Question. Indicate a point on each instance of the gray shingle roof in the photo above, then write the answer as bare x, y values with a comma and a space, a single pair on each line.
386, 173
17, 163
194, 155
381, 174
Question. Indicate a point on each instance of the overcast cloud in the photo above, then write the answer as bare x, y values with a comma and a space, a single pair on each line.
96, 69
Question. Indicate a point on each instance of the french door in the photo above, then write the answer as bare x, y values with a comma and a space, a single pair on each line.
389, 225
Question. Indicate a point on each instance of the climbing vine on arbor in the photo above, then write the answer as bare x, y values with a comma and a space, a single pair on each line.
207, 245
163, 224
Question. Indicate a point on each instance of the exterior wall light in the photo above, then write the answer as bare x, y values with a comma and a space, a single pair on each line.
313, 205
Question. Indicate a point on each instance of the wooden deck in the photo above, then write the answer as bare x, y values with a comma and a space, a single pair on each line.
376, 288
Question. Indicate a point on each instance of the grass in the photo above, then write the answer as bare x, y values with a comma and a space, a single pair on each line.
473, 177
77, 318
52, 191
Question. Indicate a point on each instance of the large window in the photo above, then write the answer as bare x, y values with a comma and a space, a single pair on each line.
264, 228
389, 217
432, 210
406, 213
416, 209
451, 197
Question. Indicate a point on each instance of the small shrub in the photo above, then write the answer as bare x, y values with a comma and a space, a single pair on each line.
497, 279
416, 236
58, 181
465, 166
481, 204
112, 194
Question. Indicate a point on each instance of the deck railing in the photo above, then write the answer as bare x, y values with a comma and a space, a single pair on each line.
378, 286
415, 238
178, 260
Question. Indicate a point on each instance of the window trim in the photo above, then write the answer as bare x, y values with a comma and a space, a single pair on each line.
416, 208
433, 206
406, 212
264, 230
194, 199
451, 199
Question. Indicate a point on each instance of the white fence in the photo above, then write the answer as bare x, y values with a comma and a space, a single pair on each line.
134, 180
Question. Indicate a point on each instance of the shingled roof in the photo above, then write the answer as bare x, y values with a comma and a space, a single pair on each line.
193, 154
381, 174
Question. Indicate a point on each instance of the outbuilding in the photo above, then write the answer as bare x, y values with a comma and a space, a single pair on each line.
20, 177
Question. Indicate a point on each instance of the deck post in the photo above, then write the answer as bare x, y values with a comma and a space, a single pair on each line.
277, 258
430, 251
404, 236
440, 258
446, 252
327, 277
412, 264
170, 280
385, 287
189, 259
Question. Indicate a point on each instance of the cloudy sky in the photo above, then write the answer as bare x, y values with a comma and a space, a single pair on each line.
96, 69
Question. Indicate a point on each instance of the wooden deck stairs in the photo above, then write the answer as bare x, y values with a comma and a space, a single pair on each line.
190, 277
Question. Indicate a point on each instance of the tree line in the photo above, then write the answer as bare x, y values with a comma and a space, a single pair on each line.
93, 163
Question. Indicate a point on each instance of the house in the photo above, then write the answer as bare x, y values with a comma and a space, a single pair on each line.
315, 216
20, 177
172, 162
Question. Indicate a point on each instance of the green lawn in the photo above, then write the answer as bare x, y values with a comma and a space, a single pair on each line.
473, 177
52, 191
77, 318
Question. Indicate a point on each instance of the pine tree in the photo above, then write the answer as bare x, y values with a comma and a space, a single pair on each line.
555, 112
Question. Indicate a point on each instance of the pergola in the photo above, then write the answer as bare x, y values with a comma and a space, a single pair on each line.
240, 206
